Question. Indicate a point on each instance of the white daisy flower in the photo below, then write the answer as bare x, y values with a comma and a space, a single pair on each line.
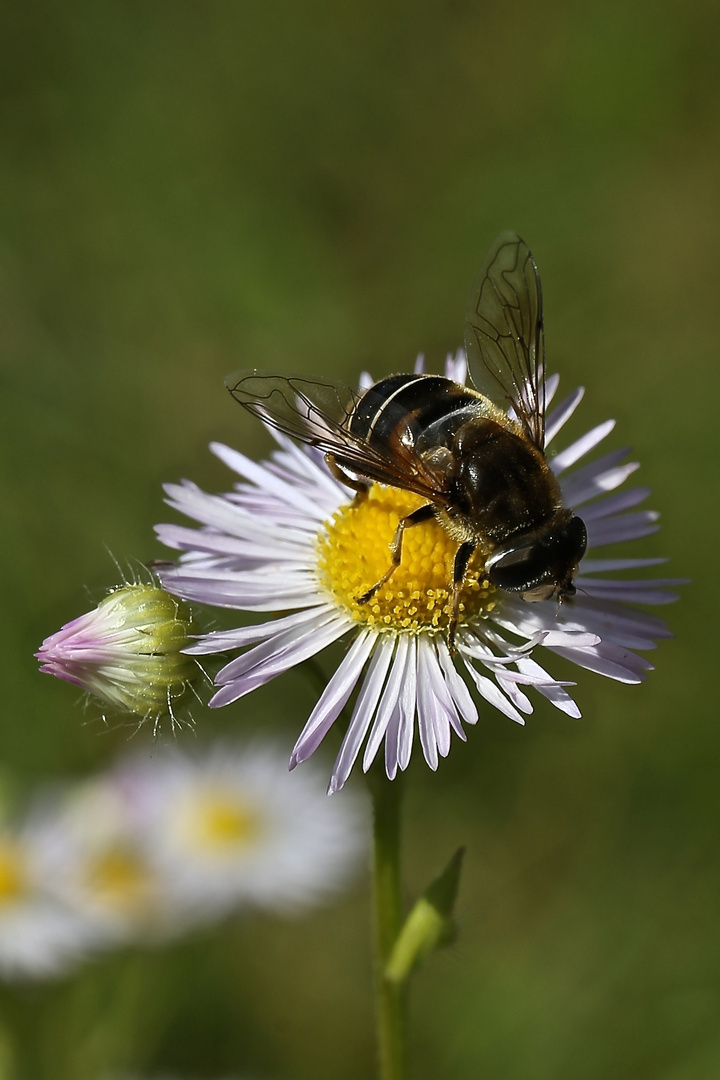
291, 538
39, 936
98, 863
228, 827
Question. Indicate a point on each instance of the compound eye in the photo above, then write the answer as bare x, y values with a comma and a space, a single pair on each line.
518, 569
577, 535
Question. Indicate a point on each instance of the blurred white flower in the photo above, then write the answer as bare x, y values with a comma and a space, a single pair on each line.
159, 844
97, 861
231, 826
39, 936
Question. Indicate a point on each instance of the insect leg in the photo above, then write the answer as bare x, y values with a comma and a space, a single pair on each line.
423, 513
462, 558
361, 486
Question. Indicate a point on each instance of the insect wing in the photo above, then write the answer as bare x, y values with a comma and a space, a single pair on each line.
307, 410
504, 337
319, 414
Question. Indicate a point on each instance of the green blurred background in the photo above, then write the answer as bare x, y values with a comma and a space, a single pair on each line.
187, 189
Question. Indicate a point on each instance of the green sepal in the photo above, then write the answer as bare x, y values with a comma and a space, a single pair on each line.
430, 923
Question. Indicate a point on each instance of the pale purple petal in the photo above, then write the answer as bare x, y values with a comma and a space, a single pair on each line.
633, 629
553, 691
617, 530
551, 386
448, 717
610, 660
631, 592
334, 698
614, 504
445, 718
389, 701
436, 709
508, 683
264, 478
269, 589
597, 566
408, 706
560, 416
309, 638
492, 693
223, 640
426, 706
363, 712
581, 447
457, 687
456, 367
392, 742
288, 652
597, 478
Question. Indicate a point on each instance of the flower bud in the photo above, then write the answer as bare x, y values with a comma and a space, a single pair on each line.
127, 651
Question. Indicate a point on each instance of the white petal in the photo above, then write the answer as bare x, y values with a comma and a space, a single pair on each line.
392, 742
264, 479
609, 660
363, 712
614, 504
224, 640
493, 694
551, 385
560, 416
508, 683
324, 623
290, 654
597, 478
445, 715
457, 688
408, 707
271, 589
333, 698
598, 566
584, 445
617, 530
426, 706
553, 691
631, 592
389, 700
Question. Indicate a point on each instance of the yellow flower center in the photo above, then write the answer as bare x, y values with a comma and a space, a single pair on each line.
354, 552
224, 821
118, 877
13, 878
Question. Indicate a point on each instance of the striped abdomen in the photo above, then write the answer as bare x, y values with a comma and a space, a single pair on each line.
406, 409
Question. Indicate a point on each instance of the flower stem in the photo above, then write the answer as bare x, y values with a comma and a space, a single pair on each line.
387, 911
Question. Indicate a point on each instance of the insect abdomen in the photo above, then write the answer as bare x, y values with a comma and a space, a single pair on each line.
405, 407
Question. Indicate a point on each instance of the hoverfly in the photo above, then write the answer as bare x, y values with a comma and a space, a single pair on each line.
475, 454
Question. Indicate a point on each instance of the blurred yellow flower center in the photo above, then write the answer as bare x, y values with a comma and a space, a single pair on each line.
13, 880
118, 877
225, 821
355, 552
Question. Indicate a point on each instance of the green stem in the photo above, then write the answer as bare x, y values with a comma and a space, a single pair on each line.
387, 911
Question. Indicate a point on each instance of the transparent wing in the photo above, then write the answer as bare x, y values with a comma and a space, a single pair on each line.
319, 413
504, 336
